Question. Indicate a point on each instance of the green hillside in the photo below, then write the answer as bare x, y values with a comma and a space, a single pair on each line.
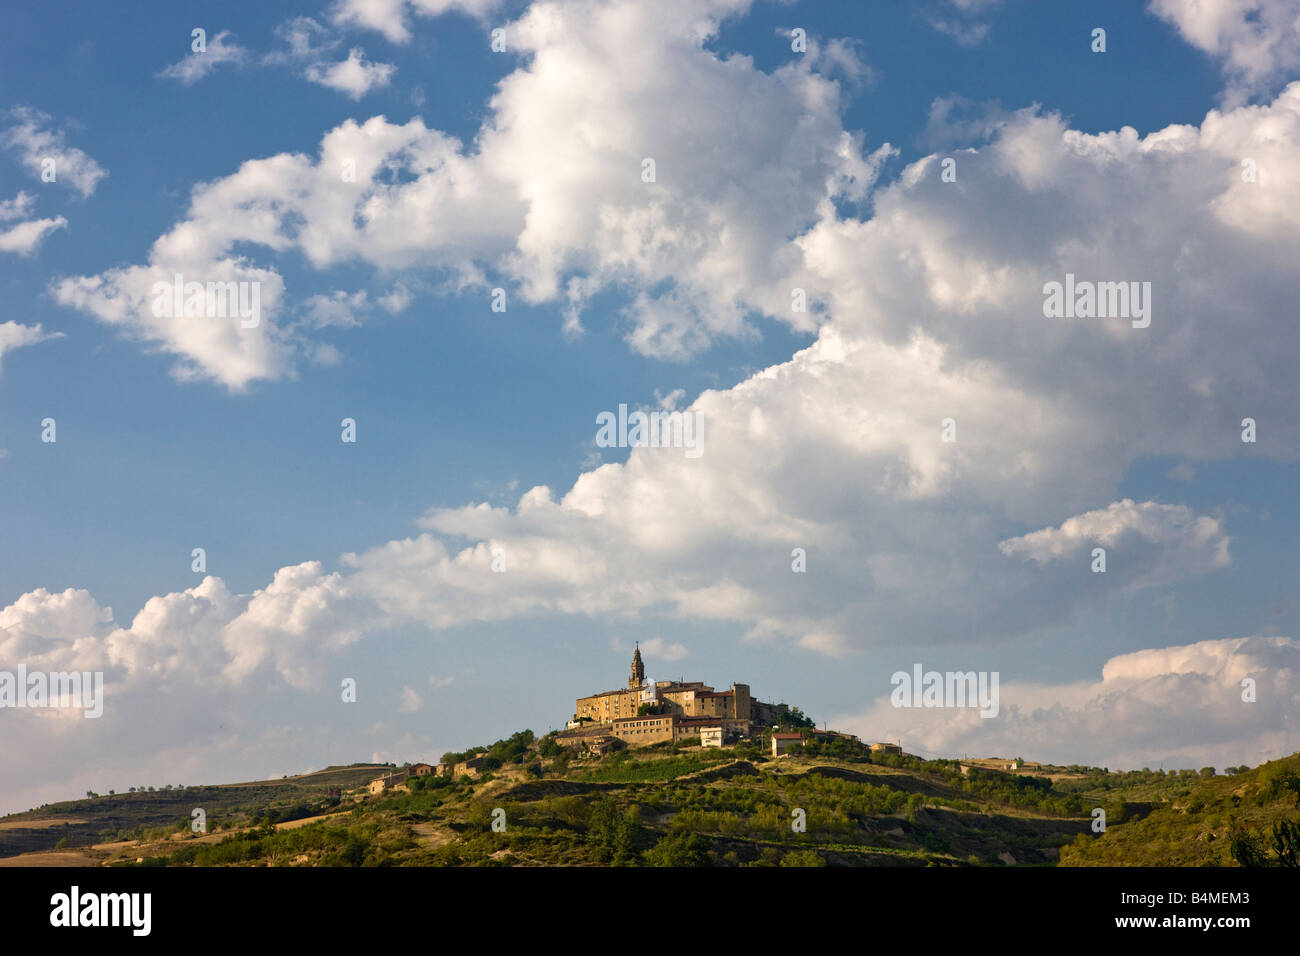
660, 808
671, 805
1248, 817
151, 813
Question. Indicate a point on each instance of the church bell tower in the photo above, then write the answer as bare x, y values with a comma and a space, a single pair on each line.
638, 670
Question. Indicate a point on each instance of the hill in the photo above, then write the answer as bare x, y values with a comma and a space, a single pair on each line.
676, 805
153, 814
1207, 821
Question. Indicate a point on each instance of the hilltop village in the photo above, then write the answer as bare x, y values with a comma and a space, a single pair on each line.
650, 712
647, 712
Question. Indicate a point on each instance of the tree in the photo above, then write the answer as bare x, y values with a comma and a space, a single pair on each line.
1247, 849
615, 833
1286, 843
353, 853
1292, 783
678, 849
795, 718
914, 804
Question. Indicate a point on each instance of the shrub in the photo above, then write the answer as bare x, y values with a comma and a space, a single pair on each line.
678, 849
614, 833
803, 858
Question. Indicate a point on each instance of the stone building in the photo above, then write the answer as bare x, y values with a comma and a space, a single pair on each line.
387, 782
784, 743
765, 715
471, 767
468, 768
711, 736
675, 709
603, 744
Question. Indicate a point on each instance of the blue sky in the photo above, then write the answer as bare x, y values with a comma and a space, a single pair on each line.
458, 406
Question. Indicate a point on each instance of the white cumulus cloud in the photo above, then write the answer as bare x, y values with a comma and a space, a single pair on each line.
43, 150
218, 51
392, 18
15, 335
1180, 705
356, 76
1256, 42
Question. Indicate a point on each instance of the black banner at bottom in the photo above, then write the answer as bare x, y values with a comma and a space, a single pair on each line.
334, 906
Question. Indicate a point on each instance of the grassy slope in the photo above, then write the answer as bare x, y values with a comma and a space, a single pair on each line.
857, 813
131, 815
734, 808
1193, 827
